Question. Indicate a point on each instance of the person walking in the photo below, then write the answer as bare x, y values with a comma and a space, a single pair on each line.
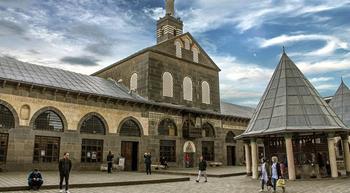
265, 174
110, 157
35, 180
275, 172
64, 166
202, 169
148, 162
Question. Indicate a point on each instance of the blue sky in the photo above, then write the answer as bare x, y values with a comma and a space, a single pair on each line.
244, 39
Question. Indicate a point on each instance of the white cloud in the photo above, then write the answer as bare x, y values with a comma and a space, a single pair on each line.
332, 43
324, 66
250, 14
241, 82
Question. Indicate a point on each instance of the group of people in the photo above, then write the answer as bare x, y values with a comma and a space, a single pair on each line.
35, 179
271, 174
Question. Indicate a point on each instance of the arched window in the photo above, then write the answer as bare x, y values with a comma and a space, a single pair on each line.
93, 125
195, 53
187, 88
178, 47
167, 127
187, 43
205, 92
186, 128
208, 130
49, 120
230, 137
130, 128
133, 82
7, 120
167, 84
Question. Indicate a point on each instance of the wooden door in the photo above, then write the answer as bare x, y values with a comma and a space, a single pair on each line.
126, 152
129, 150
3, 147
231, 155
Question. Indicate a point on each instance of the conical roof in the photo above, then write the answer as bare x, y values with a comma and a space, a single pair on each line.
291, 104
341, 103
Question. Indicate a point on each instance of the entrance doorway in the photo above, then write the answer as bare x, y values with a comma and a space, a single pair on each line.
3, 147
129, 151
231, 155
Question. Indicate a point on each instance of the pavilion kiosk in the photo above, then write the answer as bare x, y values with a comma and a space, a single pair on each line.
295, 124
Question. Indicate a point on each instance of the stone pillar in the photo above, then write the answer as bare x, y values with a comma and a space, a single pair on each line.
290, 157
346, 151
248, 160
254, 159
332, 158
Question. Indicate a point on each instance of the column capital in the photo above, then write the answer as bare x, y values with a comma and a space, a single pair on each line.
331, 135
345, 136
246, 141
288, 135
253, 140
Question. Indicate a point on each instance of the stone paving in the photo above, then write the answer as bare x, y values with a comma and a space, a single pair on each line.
222, 170
238, 184
9, 179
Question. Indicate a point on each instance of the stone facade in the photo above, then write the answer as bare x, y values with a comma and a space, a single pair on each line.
72, 108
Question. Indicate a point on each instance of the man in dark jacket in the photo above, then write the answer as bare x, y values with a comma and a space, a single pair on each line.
148, 162
35, 180
64, 166
202, 166
110, 157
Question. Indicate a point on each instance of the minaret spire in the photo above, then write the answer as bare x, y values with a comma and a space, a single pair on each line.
168, 26
170, 7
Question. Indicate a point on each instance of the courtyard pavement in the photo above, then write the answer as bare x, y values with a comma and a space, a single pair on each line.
222, 171
18, 180
237, 184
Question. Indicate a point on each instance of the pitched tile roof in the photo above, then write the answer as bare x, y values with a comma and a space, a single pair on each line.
291, 104
12, 69
236, 110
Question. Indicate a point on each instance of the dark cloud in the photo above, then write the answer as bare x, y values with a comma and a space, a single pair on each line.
103, 49
82, 60
32, 51
88, 31
10, 28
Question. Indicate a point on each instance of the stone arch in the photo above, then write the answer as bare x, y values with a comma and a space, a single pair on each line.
90, 116
205, 92
187, 43
178, 46
121, 128
9, 107
52, 109
133, 81
168, 84
187, 89
208, 129
167, 126
186, 127
230, 137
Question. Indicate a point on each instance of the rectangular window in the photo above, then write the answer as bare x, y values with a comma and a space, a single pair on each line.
3, 147
91, 151
46, 149
168, 150
208, 150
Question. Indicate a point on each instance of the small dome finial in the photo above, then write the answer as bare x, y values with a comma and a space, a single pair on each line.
283, 50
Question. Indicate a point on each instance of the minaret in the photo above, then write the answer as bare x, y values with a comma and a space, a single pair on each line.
170, 10
168, 26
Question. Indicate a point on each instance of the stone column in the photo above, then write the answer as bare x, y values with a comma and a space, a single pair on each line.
290, 157
332, 158
346, 151
254, 159
248, 160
